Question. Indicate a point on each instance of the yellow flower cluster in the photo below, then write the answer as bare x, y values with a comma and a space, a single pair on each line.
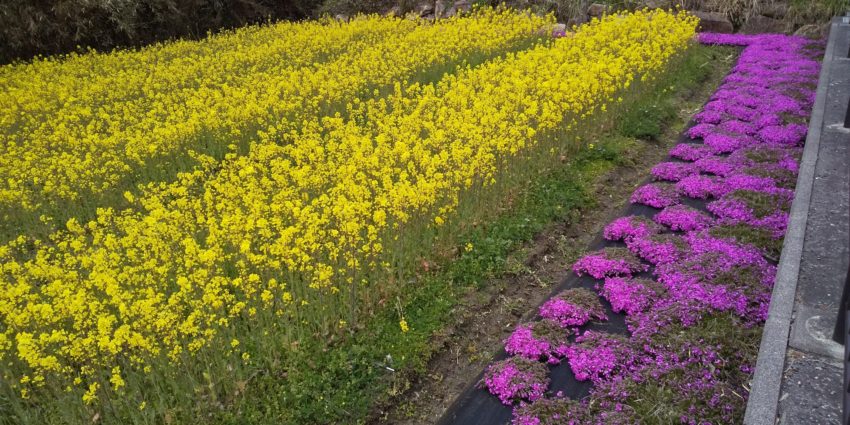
293, 227
70, 129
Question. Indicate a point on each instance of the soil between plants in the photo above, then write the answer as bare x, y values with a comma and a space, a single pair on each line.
487, 316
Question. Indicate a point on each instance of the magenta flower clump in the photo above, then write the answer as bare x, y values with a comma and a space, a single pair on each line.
549, 411
608, 262
718, 165
656, 195
745, 155
767, 120
683, 218
674, 171
720, 143
783, 135
597, 355
709, 117
628, 227
657, 249
752, 183
573, 307
738, 127
701, 187
690, 151
629, 295
543, 339
701, 130
515, 379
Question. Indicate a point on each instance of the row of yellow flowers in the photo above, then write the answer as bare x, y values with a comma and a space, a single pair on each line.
70, 129
298, 227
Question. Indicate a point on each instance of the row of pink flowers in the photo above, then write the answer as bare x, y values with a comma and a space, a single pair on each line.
738, 169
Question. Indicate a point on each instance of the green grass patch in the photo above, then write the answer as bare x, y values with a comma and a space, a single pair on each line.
762, 204
648, 118
746, 234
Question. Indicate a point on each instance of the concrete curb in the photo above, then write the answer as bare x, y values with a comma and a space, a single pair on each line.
767, 380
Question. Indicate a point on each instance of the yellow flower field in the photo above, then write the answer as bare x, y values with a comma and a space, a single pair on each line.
75, 131
300, 232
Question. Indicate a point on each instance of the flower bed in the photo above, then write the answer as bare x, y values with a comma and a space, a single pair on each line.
693, 329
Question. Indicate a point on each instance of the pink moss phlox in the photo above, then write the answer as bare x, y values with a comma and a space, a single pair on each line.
664, 312
783, 135
731, 209
690, 151
767, 120
628, 295
628, 227
720, 275
573, 307
608, 262
699, 276
790, 164
674, 171
701, 187
781, 156
597, 355
776, 223
550, 411
656, 195
709, 117
726, 254
719, 166
720, 143
515, 379
683, 218
691, 286
742, 113
542, 339
738, 127
701, 130
656, 249
753, 183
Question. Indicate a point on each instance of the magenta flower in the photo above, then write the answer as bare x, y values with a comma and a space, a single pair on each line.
683, 218
750, 136
709, 117
701, 130
739, 127
719, 166
630, 296
629, 227
550, 411
542, 339
674, 171
573, 307
701, 187
783, 135
608, 262
657, 249
515, 379
656, 195
690, 151
597, 355
720, 143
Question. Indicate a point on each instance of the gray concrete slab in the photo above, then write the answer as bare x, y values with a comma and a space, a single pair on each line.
826, 251
812, 390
